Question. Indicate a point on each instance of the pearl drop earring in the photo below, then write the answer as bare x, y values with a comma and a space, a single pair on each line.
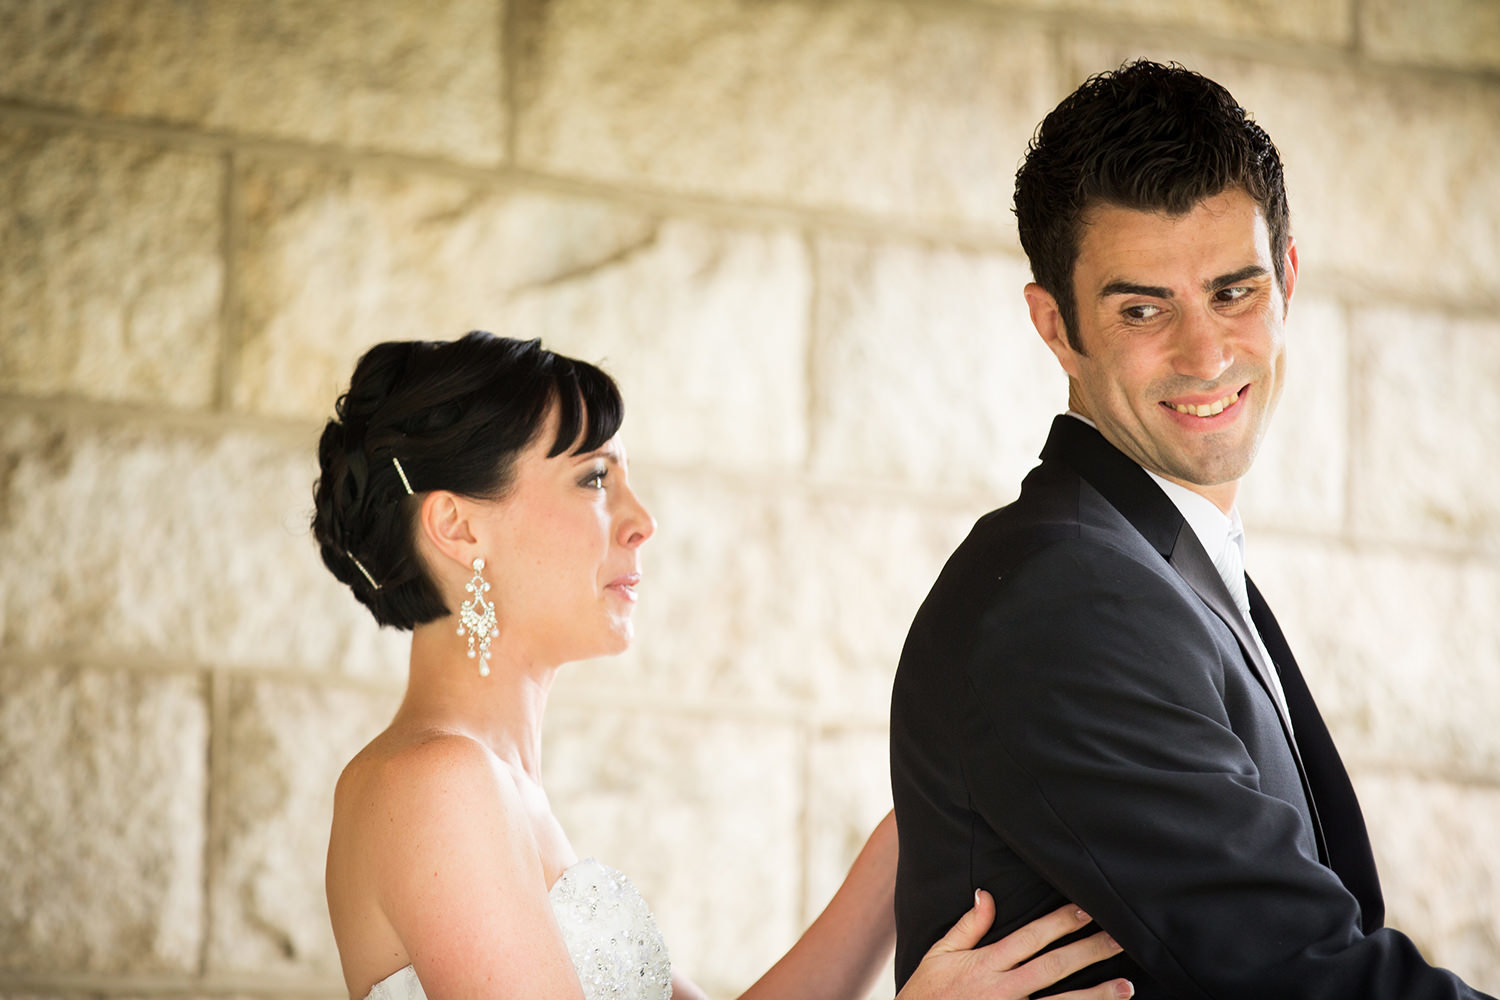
476, 618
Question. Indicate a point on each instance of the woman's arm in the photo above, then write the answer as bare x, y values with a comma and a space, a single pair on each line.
845, 949
840, 955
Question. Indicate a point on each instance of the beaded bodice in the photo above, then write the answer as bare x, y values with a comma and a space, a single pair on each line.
610, 933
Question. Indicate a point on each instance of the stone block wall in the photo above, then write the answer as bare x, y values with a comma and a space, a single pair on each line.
785, 227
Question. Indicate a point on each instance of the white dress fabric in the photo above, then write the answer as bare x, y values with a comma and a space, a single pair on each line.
610, 933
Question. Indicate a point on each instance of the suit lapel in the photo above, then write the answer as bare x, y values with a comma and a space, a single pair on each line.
1131, 491
1345, 844
1193, 564
1348, 841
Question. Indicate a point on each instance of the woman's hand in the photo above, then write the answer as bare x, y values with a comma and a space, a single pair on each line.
1005, 970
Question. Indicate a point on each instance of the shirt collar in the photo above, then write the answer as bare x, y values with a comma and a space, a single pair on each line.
1214, 528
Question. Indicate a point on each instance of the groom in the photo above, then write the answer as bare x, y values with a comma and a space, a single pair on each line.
1094, 703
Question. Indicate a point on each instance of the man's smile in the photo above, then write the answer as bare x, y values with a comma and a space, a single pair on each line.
1212, 409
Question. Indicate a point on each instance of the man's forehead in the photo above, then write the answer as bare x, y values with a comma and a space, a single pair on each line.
1224, 232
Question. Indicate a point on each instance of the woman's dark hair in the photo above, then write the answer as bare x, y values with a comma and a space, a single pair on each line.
1150, 137
455, 414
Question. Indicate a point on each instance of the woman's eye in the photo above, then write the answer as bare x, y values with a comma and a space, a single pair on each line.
595, 479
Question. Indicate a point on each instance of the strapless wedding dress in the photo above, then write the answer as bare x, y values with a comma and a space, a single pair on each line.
610, 933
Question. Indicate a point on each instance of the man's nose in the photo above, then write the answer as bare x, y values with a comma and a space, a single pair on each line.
1202, 347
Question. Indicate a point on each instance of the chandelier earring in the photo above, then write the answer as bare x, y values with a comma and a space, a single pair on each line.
476, 618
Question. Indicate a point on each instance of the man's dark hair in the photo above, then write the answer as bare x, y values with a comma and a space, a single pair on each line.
1146, 137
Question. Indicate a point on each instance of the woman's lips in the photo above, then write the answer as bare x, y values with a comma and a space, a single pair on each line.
625, 585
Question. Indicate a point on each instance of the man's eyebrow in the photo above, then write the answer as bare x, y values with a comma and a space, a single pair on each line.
1235, 277
1131, 288
1160, 292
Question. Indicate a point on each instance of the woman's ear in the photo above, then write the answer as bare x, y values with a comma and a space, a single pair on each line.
444, 524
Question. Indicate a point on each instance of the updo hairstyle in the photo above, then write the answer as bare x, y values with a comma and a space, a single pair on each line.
456, 414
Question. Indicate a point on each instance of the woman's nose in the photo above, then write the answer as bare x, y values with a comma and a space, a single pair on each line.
637, 524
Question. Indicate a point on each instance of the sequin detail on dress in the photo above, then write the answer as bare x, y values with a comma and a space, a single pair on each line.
611, 935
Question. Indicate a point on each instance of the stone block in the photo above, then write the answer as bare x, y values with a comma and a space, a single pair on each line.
285, 745
1300, 479
1394, 179
102, 805
763, 598
111, 276
1454, 34
927, 369
1434, 846
912, 111
706, 329
702, 813
333, 261
385, 75
1429, 421
1400, 648
1327, 22
148, 541
849, 791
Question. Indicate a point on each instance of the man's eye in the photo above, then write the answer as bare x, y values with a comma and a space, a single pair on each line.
1141, 312
1233, 294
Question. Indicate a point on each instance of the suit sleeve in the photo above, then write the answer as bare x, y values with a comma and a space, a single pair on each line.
1101, 750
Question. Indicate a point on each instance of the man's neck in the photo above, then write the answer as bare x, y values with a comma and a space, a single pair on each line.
1221, 495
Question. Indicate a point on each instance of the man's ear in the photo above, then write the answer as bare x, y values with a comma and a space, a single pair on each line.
1289, 269
444, 523
1047, 319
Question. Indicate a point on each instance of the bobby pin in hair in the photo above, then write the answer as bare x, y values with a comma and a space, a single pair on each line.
361, 566
402, 473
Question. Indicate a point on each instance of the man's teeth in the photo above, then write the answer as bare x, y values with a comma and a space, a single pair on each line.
1213, 409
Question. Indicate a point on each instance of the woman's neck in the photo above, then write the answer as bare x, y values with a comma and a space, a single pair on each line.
503, 711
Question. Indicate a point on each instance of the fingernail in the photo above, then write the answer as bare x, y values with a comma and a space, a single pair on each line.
1124, 989
976, 897
1081, 917
1113, 944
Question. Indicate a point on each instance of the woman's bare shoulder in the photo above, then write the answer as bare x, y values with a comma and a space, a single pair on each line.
423, 773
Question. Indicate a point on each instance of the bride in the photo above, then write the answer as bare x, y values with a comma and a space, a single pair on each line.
476, 492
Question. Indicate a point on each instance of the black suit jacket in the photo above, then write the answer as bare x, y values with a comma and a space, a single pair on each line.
1080, 715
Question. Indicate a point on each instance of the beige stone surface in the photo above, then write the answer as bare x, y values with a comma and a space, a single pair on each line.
387, 75
1459, 34
1301, 475
1394, 179
102, 792
146, 541
706, 329
1398, 647
849, 791
285, 745
775, 601
111, 277
928, 370
901, 109
1434, 846
332, 261
1327, 22
701, 813
1428, 428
